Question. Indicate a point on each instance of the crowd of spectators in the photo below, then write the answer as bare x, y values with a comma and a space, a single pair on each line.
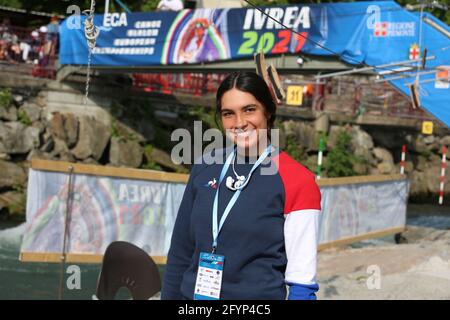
37, 47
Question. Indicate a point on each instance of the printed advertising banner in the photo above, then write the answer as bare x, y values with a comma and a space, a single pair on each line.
371, 33
105, 209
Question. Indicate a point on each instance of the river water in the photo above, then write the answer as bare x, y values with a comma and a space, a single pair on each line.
20, 280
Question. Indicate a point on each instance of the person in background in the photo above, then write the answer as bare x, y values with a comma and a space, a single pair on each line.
170, 5
53, 33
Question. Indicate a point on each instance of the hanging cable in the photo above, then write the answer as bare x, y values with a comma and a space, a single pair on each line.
91, 33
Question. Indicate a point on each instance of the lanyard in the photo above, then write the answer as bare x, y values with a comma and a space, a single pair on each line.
216, 228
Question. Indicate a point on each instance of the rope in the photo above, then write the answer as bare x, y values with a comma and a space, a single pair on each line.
91, 33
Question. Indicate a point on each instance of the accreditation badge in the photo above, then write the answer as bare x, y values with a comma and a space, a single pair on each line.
209, 277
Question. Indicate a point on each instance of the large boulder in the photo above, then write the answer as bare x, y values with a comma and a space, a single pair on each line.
334, 134
32, 110
306, 136
418, 184
15, 202
322, 123
421, 163
386, 168
125, 153
38, 154
445, 141
12, 174
361, 139
163, 159
383, 155
16, 138
361, 168
93, 139
65, 127
56, 126
9, 114
71, 129
432, 175
61, 151
419, 145
365, 154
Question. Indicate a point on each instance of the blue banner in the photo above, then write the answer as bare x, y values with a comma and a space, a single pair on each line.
371, 33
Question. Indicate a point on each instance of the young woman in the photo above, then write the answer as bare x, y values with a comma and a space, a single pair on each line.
241, 233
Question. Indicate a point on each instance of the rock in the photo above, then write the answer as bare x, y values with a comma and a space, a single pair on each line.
429, 139
90, 161
386, 168
17, 99
445, 141
16, 138
5, 156
419, 145
361, 168
38, 154
67, 156
32, 110
322, 123
41, 126
333, 136
432, 175
289, 127
365, 154
71, 129
409, 167
162, 158
306, 136
61, 151
146, 129
127, 133
93, 139
383, 155
56, 126
361, 139
9, 114
48, 145
12, 174
421, 163
125, 153
14, 201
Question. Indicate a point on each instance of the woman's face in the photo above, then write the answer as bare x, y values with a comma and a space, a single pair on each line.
243, 118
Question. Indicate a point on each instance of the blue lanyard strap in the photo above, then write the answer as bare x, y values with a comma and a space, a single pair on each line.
216, 228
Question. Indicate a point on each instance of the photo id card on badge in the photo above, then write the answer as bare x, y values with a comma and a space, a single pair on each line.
209, 277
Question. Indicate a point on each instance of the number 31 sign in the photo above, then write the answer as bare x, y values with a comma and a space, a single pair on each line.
294, 95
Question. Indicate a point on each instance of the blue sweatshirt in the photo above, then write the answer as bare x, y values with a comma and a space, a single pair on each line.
269, 239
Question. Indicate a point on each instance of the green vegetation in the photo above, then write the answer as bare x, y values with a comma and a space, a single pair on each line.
340, 159
294, 149
204, 114
5, 98
151, 164
23, 118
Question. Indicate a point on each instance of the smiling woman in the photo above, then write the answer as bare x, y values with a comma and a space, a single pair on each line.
247, 111
255, 233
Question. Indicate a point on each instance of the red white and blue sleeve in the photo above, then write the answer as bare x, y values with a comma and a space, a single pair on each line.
301, 228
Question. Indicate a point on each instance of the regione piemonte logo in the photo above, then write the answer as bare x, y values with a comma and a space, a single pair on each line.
384, 29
